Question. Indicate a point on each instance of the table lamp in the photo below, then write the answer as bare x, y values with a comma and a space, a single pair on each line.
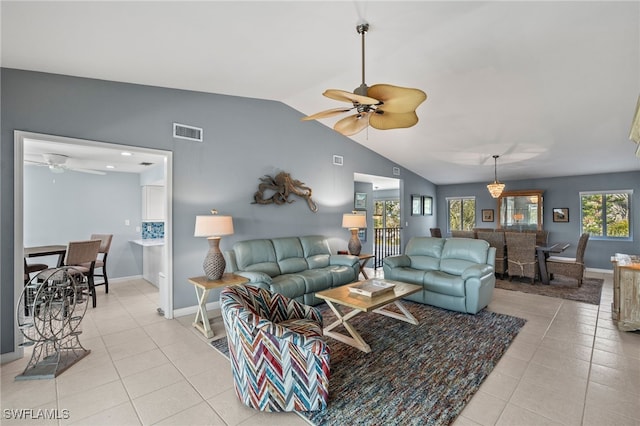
213, 227
354, 221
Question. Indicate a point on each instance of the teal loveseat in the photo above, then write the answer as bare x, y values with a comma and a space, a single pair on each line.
455, 273
296, 267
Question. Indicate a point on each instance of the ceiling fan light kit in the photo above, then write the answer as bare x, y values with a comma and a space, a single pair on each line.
382, 106
57, 164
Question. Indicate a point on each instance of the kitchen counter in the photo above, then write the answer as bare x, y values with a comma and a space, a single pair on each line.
149, 242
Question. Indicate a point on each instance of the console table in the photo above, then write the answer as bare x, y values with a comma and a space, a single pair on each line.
203, 286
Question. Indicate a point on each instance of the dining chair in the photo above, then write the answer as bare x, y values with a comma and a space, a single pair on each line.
542, 238
463, 234
30, 268
101, 261
496, 239
435, 232
570, 266
521, 255
81, 258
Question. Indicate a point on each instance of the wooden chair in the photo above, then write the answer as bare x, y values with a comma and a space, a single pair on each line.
570, 266
435, 232
521, 254
101, 261
496, 239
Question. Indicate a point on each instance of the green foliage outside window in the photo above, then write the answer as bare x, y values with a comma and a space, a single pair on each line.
462, 214
606, 214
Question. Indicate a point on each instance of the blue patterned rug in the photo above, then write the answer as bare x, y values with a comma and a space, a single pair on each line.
415, 374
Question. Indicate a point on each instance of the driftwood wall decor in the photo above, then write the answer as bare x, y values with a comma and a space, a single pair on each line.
282, 186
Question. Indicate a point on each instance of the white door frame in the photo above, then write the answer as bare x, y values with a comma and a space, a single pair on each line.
18, 219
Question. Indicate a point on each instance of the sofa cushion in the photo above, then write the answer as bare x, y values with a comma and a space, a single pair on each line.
289, 285
316, 280
407, 275
341, 274
443, 283
425, 252
316, 250
256, 256
459, 254
289, 255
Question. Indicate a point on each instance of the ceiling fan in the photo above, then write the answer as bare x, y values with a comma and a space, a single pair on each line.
57, 164
383, 106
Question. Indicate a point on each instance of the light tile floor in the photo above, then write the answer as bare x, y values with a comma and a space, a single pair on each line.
569, 365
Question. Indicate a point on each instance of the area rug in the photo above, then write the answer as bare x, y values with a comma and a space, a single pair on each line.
561, 287
415, 374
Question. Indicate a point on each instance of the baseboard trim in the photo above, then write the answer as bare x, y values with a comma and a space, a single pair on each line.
191, 310
132, 277
600, 271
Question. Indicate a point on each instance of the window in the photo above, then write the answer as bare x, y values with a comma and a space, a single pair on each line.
606, 214
462, 213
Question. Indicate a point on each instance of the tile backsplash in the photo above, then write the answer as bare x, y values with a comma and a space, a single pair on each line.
152, 230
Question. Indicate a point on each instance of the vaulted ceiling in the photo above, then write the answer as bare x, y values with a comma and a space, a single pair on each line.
551, 87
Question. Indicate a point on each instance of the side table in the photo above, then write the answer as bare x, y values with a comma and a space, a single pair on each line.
203, 286
364, 259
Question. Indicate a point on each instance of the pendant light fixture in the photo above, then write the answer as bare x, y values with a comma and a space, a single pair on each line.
495, 188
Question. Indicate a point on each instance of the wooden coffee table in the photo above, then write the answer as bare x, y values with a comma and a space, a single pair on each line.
339, 297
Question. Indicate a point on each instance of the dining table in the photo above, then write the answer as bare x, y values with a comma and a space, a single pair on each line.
543, 254
59, 250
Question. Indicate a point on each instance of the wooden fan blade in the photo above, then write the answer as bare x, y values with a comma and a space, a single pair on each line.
390, 120
326, 114
353, 124
396, 98
342, 95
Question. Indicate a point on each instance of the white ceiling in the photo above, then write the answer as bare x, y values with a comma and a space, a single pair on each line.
549, 86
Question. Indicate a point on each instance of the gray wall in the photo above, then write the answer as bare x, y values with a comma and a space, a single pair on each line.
245, 139
71, 206
559, 192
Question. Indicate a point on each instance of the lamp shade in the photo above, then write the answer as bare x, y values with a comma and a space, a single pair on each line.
353, 220
495, 189
213, 226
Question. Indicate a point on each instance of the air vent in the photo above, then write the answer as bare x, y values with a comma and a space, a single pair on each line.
338, 160
396, 171
190, 133
145, 163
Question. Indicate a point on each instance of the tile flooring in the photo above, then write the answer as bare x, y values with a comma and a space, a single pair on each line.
569, 365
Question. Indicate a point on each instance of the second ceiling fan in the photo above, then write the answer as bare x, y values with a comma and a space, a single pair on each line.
383, 106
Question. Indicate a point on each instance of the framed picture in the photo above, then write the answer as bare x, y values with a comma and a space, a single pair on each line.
487, 215
360, 201
427, 205
362, 234
561, 215
416, 205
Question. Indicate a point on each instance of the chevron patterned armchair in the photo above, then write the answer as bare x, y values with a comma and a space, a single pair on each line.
279, 360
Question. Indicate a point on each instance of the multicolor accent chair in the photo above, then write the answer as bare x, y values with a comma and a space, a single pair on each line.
279, 360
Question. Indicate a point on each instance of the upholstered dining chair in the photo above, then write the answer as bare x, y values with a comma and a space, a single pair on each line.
435, 232
101, 261
463, 234
570, 266
278, 358
496, 239
521, 255
81, 257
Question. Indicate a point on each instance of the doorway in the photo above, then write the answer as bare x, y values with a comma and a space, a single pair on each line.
21, 138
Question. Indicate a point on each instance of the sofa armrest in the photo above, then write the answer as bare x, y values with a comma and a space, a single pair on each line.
255, 277
343, 259
477, 271
313, 343
399, 261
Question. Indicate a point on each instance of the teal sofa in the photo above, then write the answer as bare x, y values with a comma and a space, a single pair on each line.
455, 273
296, 267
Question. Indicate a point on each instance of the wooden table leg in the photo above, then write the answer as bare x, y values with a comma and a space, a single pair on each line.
363, 263
355, 339
201, 321
407, 317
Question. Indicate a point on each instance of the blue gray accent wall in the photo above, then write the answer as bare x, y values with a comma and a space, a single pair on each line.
245, 139
559, 192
